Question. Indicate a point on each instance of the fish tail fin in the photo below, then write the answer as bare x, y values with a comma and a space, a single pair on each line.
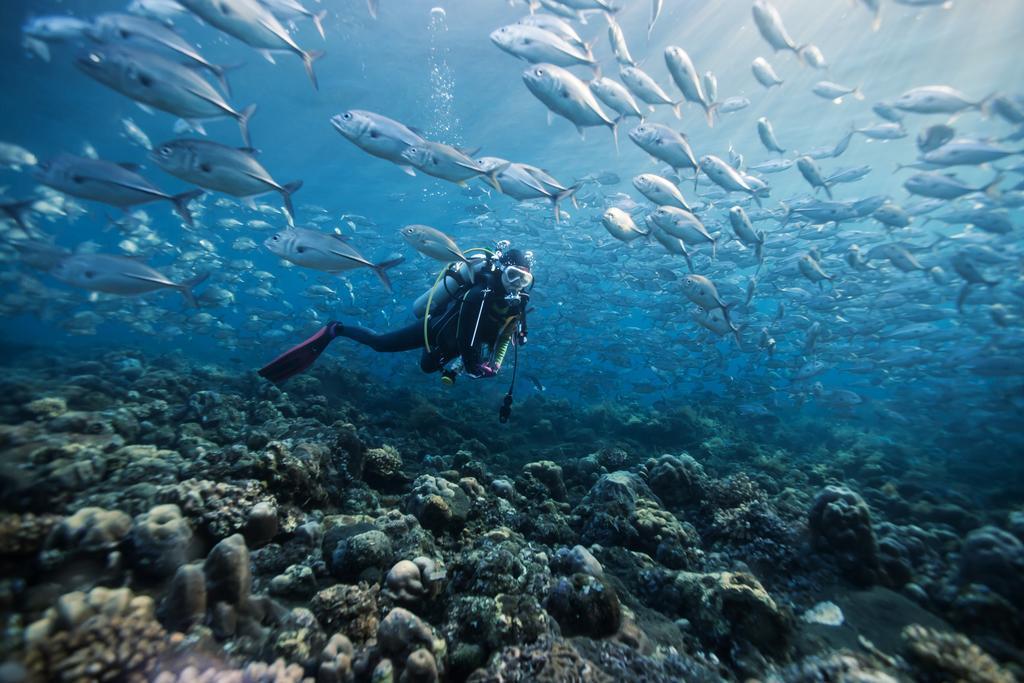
220, 72
728, 320
374, 6
759, 252
569, 193
492, 175
714, 249
677, 108
286, 193
760, 204
788, 213
243, 123
857, 93
711, 112
828, 190
318, 21
983, 105
615, 134
307, 61
181, 204
991, 190
16, 211
962, 297
381, 270
187, 286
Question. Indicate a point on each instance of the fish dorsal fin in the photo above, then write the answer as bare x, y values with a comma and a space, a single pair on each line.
416, 130
130, 166
249, 150
469, 151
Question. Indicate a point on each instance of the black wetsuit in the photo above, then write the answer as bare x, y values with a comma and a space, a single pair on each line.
451, 331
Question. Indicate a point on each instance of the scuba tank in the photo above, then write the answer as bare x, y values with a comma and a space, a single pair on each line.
456, 276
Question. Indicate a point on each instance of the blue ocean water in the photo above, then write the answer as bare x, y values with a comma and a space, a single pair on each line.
909, 356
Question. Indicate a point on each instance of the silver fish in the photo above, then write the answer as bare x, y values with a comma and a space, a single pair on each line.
254, 25
162, 83
143, 32
377, 135
218, 167
119, 275
432, 242
118, 185
566, 95
769, 23
325, 252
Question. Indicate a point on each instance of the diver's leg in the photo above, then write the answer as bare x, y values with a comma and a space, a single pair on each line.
403, 339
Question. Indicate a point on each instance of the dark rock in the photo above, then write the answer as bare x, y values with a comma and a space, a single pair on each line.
584, 605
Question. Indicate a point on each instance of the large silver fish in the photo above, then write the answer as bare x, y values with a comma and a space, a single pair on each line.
218, 167
565, 95
377, 135
324, 252
254, 25
449, 163
119, 275
148, 33
156, 81
118, 185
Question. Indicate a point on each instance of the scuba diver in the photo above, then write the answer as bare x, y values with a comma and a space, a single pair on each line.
474, 304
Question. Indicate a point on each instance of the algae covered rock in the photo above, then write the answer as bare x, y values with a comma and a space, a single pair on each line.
725, 608
160, 541
382, 463
185, 602
103, 635
411, 581
939, 656
549, 474
677, 480
25, 534
401, 633
348, 609
366, 552
620, 510
995, 558
227, 571
840, 525
90, 529
437, 503
584, 605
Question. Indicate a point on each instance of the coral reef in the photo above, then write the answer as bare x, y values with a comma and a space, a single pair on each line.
166, 520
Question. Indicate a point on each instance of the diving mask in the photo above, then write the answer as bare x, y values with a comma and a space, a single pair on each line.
516, 278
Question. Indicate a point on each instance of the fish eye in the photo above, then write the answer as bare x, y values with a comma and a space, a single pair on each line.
165, 151
539, 72
347, 116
